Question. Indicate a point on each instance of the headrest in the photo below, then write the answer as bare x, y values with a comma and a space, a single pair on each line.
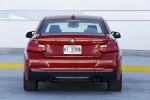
91, 29
92, 26
54, 29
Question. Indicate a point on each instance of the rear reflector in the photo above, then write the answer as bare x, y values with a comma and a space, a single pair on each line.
34, 46
111, 46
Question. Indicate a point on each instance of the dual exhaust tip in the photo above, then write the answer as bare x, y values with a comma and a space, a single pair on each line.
96, 79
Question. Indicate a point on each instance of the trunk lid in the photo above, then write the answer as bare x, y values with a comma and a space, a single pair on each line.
57, 45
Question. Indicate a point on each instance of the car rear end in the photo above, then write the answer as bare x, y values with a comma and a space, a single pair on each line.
72, 48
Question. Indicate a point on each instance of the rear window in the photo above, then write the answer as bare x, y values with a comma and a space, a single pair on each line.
72, 26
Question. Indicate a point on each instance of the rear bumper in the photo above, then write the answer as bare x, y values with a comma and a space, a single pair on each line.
107, 67
89, 75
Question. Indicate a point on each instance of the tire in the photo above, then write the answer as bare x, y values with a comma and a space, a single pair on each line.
30, 85
115, 85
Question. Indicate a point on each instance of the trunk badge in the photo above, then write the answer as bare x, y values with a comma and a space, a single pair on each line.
72, 41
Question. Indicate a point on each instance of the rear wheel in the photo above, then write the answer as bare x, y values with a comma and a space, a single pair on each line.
115, 85
30, 85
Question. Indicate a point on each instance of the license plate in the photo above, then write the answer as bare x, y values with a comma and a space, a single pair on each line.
72, 49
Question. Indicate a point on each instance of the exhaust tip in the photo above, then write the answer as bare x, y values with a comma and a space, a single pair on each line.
96, 79
47, 79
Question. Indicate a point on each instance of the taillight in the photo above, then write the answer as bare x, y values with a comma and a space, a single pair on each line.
34, 46
111, 46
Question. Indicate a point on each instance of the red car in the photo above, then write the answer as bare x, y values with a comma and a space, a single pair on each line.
72, 47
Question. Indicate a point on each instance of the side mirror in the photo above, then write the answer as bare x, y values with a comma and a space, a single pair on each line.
116, 34
30, 34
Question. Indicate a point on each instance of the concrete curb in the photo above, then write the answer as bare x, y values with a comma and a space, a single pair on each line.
144, 53
11, 51
20, 51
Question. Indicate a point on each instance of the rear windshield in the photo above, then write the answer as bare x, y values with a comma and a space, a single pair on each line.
72, 27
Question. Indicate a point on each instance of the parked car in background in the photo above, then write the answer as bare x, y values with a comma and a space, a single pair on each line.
70, 48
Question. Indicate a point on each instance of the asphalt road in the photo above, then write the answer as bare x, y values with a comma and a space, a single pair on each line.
136, 86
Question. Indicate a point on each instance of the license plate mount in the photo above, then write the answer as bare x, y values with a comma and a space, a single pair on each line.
72, 49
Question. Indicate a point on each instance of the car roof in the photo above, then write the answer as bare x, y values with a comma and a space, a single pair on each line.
77, 17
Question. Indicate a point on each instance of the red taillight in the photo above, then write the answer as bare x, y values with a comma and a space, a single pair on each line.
34, 46
111, 46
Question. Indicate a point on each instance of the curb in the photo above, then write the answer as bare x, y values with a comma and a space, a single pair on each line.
11, 66
125, 68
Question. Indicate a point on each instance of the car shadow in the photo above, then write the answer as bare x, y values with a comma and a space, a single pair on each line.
73, 86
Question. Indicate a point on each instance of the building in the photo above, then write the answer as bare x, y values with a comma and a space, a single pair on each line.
129, 17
